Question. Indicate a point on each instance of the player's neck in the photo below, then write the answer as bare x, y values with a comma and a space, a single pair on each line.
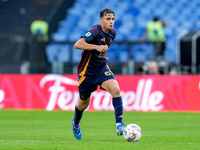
105, 30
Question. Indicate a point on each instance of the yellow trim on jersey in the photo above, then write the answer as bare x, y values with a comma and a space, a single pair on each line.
81, 80
83, 72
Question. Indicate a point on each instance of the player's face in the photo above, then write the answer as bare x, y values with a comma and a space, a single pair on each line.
107, 21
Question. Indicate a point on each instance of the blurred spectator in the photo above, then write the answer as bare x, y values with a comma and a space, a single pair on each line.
155, 33
185, 70
139, 71
39, 38
153, 68
173, 72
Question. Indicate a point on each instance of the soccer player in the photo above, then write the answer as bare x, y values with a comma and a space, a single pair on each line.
93, 70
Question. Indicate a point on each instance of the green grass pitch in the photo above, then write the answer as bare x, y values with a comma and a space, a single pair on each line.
44, 130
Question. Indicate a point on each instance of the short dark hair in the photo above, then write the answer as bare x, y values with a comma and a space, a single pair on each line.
155, 18
106, 11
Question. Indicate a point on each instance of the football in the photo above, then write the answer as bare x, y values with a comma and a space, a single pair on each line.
132, 133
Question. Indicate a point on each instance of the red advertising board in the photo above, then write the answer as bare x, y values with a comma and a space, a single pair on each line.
139, 93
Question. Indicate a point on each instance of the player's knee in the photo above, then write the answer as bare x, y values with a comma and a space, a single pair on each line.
82, 105
85, 105
116, 92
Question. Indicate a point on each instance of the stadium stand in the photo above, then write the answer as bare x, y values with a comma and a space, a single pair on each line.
132, 17
70, 19
16, 17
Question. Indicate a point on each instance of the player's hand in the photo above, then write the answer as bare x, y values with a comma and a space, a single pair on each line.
102, 48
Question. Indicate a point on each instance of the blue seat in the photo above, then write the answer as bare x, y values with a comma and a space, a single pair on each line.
133, 11
148, 49
60, 37
75, 36
64, 53
52, 51
76, 55
135, 48
112, 53
123, 57
112, 56
58, 53
140, 57
137, 14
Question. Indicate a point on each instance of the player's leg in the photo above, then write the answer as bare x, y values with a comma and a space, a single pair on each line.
79, 109
112, 87
86, 87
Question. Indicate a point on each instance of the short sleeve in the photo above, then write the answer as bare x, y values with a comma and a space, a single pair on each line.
91, 34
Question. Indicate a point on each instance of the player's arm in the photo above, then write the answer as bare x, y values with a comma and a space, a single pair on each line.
83, 45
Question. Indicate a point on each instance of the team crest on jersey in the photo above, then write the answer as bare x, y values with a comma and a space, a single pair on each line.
103, 39
87, 34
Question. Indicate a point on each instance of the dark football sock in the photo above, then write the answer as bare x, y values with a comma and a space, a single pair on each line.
118, 106
77, 116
